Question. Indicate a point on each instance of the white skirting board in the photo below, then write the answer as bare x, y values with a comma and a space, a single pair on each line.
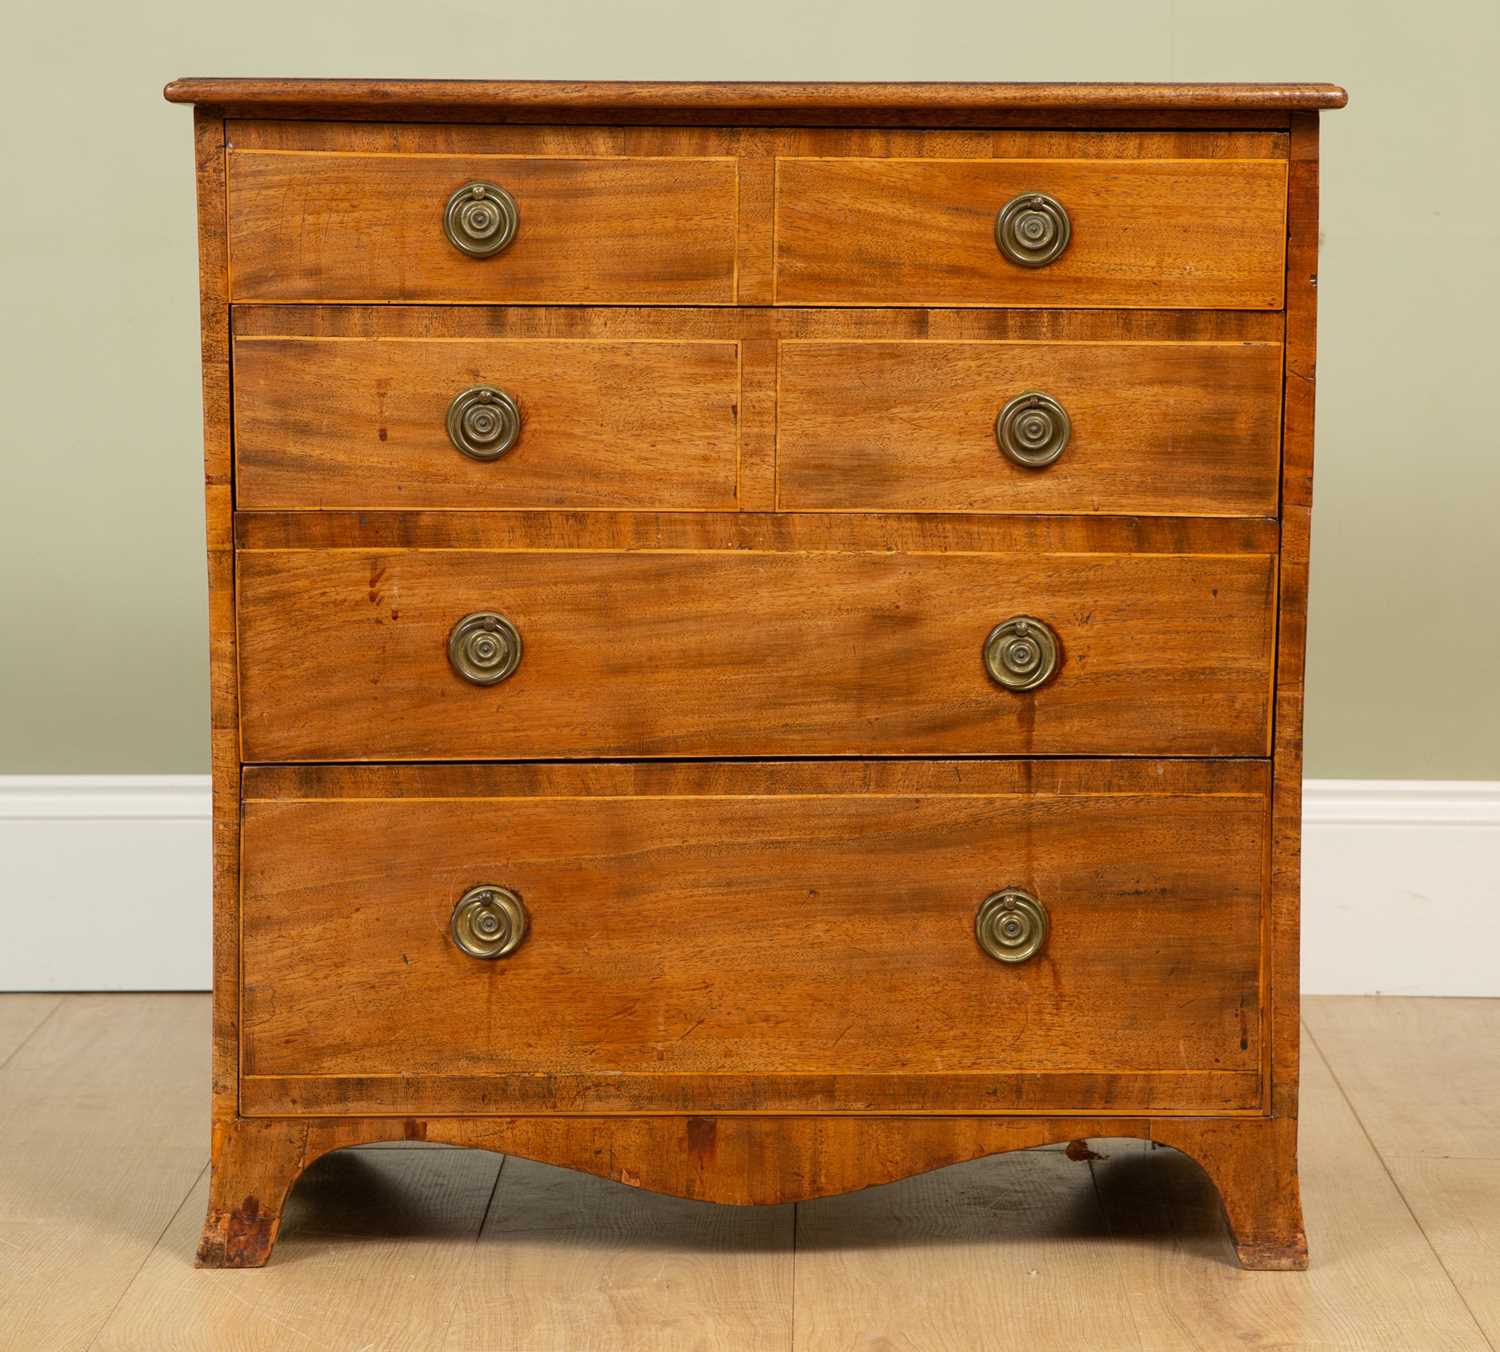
104, 885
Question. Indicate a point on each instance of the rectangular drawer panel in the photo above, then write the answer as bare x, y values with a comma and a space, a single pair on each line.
604, 231
343, 654
1157, 428
752, 937
362, 423
1153, 233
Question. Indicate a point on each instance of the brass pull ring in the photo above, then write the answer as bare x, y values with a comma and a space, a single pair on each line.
484, 648
1011, 925
483, 422
1033, 229
1022, 653
481, 219
489, 921
1032, 429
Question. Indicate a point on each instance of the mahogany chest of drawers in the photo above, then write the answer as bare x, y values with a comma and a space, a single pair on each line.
757, 630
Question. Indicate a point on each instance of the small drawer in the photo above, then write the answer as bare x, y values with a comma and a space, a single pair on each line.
461, 654
1187, 429
388, 423
1206, 234
935, 936
354, 227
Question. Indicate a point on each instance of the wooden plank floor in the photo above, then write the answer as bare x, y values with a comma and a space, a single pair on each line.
103, 1151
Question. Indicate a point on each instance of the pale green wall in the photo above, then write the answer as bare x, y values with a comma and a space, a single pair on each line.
102, 612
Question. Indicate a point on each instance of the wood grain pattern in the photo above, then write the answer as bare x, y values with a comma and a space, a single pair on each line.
828, 628
749, 654
831, 962
756, 147
361, 423
921, 232
102, 1133
730, 103
218, 503
764, 531
1191, 428
713, 779
592, 231
383, 1239
416, 1215
686, 323
1283, 928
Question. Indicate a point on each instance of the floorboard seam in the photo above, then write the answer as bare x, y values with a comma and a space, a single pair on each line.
1386, 1169
41, 1023
796, 1219
146, 1258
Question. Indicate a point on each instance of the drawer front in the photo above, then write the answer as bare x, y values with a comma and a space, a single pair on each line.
344, 655
1148, 233
379, 423
780, 938
1153, 428
342, 227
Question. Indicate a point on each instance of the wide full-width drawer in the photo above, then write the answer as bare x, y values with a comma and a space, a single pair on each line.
357, 654
752, 937
363, 227
485, 422
1159, 428
1153, 233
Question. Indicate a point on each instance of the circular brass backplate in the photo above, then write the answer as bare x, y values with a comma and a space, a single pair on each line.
489, 921
484, 648
1032, 429
1033, 229
483, 422
1011, 925
1022, 653
481, 219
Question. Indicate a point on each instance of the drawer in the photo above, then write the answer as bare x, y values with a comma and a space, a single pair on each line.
754, 938
1148, 233
352, 227
345, 654
442, 423
1158, 428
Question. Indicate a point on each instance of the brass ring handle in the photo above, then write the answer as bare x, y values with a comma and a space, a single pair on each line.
489, 921
1032, 429
483, 422
1011, 925
481, 219
484, 648
1033, 229
1022, 653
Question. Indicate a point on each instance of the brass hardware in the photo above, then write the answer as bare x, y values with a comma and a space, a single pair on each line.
481, 219
484, 647
1032, 229
1033, 428
1011, 925
1022, 653
483, 422
489, 921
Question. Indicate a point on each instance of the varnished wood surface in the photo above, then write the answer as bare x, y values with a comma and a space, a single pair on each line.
352, 423
223, 665
772, 102
735, 255
760, 531
379, 1246
344, 227
757, 144
1191, 428
714, 779
801, 951
922, 232
718, 653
